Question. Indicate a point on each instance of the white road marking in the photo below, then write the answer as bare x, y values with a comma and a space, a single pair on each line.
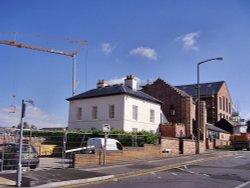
191, 172
243, 184
240, 156
153, 173
206, 175
174, 174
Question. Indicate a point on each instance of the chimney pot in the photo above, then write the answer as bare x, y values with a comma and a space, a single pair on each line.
131, 82
102, 83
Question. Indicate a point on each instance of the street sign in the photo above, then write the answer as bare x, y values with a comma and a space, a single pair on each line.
106, 128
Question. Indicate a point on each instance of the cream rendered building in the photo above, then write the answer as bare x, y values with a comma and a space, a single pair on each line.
122, 106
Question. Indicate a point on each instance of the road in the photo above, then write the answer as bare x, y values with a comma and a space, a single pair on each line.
229, 172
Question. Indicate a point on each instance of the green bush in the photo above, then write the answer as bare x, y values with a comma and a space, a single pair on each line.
79, 138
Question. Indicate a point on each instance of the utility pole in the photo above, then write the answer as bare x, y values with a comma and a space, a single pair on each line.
19, 166
198, 128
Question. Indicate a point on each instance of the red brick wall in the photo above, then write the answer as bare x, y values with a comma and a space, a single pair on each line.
188, 146
210, 144
170, 144
172, 130
169, 95
219, 143
112, 157
203, 117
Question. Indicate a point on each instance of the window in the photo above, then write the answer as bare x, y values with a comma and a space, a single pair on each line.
226, 105
223, 103
220, 101
79, 113
152, 116
135, 112
94, 112
112, 111
229, 108
119, 146
172, 110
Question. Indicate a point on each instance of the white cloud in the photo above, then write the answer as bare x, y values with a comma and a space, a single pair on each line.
107, 48
33, 115
189, 41
117, 81
148, 53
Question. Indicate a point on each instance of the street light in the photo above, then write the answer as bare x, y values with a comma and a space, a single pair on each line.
198, 100
19, 167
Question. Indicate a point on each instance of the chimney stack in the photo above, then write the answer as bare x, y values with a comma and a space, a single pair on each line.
102, 83
131, 82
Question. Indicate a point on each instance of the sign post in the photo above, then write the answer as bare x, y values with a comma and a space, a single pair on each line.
106, 129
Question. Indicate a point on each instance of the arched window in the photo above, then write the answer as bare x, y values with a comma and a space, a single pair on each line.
172, 110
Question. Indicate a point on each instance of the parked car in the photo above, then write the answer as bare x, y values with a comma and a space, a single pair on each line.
9, 154
98, 144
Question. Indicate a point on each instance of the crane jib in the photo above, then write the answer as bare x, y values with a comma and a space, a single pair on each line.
21, 45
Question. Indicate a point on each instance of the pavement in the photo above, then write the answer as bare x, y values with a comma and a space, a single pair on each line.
71, 176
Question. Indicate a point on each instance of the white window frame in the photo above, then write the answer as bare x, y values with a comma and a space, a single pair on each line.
152, 116
135, 112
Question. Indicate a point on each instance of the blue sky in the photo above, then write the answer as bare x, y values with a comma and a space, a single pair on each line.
147, 38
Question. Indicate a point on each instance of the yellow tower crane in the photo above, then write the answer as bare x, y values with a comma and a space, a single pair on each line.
43, 49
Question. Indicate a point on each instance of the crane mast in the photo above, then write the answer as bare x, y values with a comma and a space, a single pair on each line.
43, 49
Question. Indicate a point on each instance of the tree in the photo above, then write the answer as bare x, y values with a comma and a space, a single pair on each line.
33, 127
25, 126
248, 123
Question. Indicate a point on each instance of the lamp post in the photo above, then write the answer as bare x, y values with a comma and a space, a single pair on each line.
19, 166
198, 101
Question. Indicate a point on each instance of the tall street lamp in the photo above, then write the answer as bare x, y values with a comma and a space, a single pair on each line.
198, 101
19, 166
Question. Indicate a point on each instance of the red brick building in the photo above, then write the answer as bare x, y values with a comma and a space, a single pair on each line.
217, 98
177, 106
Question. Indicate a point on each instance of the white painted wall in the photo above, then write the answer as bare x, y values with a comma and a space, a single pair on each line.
102, 104
123, 113
143, 121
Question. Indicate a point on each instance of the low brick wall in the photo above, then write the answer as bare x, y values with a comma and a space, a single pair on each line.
128, 154
189, 147
210, 144
170, 147
221, 142
173, 144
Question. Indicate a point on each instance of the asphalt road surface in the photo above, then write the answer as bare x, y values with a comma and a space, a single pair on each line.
229, 172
